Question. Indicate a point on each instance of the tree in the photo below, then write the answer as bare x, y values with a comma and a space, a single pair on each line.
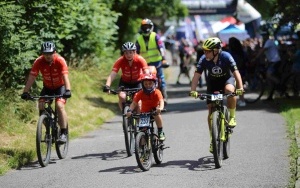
288, 10
133, 11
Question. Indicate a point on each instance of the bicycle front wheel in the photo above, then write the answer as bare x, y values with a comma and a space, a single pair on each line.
143, 152
216, 141
43, 140
62, 149
226, 144
128, 134
254, 88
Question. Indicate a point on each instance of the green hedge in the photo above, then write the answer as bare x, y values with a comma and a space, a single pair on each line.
80, 29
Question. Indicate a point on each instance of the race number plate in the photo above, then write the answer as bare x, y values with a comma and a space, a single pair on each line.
144, 121
215, 97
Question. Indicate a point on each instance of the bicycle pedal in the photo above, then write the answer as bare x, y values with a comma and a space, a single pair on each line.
165, 147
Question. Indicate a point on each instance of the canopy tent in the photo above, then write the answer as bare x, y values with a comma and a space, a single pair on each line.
232, 31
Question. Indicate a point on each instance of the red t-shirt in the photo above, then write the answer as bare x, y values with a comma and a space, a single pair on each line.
148, 101
130, 74
52, 74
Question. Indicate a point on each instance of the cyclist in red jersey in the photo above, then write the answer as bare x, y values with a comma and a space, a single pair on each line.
151, 98
132, 66
54, 71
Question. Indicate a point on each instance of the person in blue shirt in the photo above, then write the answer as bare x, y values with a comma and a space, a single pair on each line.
223, 75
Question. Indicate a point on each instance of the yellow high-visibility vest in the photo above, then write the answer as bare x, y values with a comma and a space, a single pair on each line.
152, 54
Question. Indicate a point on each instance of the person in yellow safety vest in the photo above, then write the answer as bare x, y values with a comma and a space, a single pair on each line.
151, 47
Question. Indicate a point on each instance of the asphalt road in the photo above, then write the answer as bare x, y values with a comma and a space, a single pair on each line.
259, 153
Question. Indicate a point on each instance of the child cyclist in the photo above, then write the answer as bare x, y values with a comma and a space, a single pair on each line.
151, 98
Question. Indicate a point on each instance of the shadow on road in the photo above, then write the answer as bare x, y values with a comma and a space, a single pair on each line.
203, 164
115, 155
35, 165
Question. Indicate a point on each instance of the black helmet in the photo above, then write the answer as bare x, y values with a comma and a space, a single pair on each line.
147, 26
128, 46
48, 47
266, 29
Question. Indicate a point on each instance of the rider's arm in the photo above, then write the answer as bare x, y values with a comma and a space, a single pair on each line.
64, 72
161, 104
200, 67
111, 78
195, 81
160, 46
138, 48
238, 79
67, 81
133, 105
131, 108
29, 83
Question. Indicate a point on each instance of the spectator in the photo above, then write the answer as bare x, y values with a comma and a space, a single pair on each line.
236, 50
273, 61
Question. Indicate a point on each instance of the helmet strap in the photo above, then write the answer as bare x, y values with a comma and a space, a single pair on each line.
215, 54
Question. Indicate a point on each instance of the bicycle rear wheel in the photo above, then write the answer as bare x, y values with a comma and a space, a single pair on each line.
216, 141
226, 144
254, 88
128, 134
157, 149
43, 140
62, 149
143, 151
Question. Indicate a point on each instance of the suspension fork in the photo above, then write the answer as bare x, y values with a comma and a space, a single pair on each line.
222, 122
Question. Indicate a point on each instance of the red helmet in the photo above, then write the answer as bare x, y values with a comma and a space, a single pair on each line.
150, 77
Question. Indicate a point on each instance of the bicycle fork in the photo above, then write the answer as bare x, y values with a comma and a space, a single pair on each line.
222, 124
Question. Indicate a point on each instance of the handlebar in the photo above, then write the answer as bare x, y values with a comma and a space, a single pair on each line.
214, 96
127, 90
49, 97
152, 113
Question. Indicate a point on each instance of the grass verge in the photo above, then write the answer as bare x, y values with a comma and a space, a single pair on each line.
87, 109
290, 110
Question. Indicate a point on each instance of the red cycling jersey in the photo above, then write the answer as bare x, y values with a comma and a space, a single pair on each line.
130, 74
53, 73
149, 101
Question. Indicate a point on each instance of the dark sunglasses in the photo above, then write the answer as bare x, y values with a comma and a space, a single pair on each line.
48, 53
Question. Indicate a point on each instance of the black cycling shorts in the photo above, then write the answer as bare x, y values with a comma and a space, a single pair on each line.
218, 85
130, 85
59, 91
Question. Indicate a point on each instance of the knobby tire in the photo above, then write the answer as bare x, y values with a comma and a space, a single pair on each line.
216, 141
62, 149
127, 134
143, 152
43, 140
226, 144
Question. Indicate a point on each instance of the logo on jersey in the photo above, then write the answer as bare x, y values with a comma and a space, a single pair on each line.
216, 70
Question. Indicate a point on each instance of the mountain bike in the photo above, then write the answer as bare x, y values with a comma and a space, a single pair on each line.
147, 143
48, 132
220, 131
128, 124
